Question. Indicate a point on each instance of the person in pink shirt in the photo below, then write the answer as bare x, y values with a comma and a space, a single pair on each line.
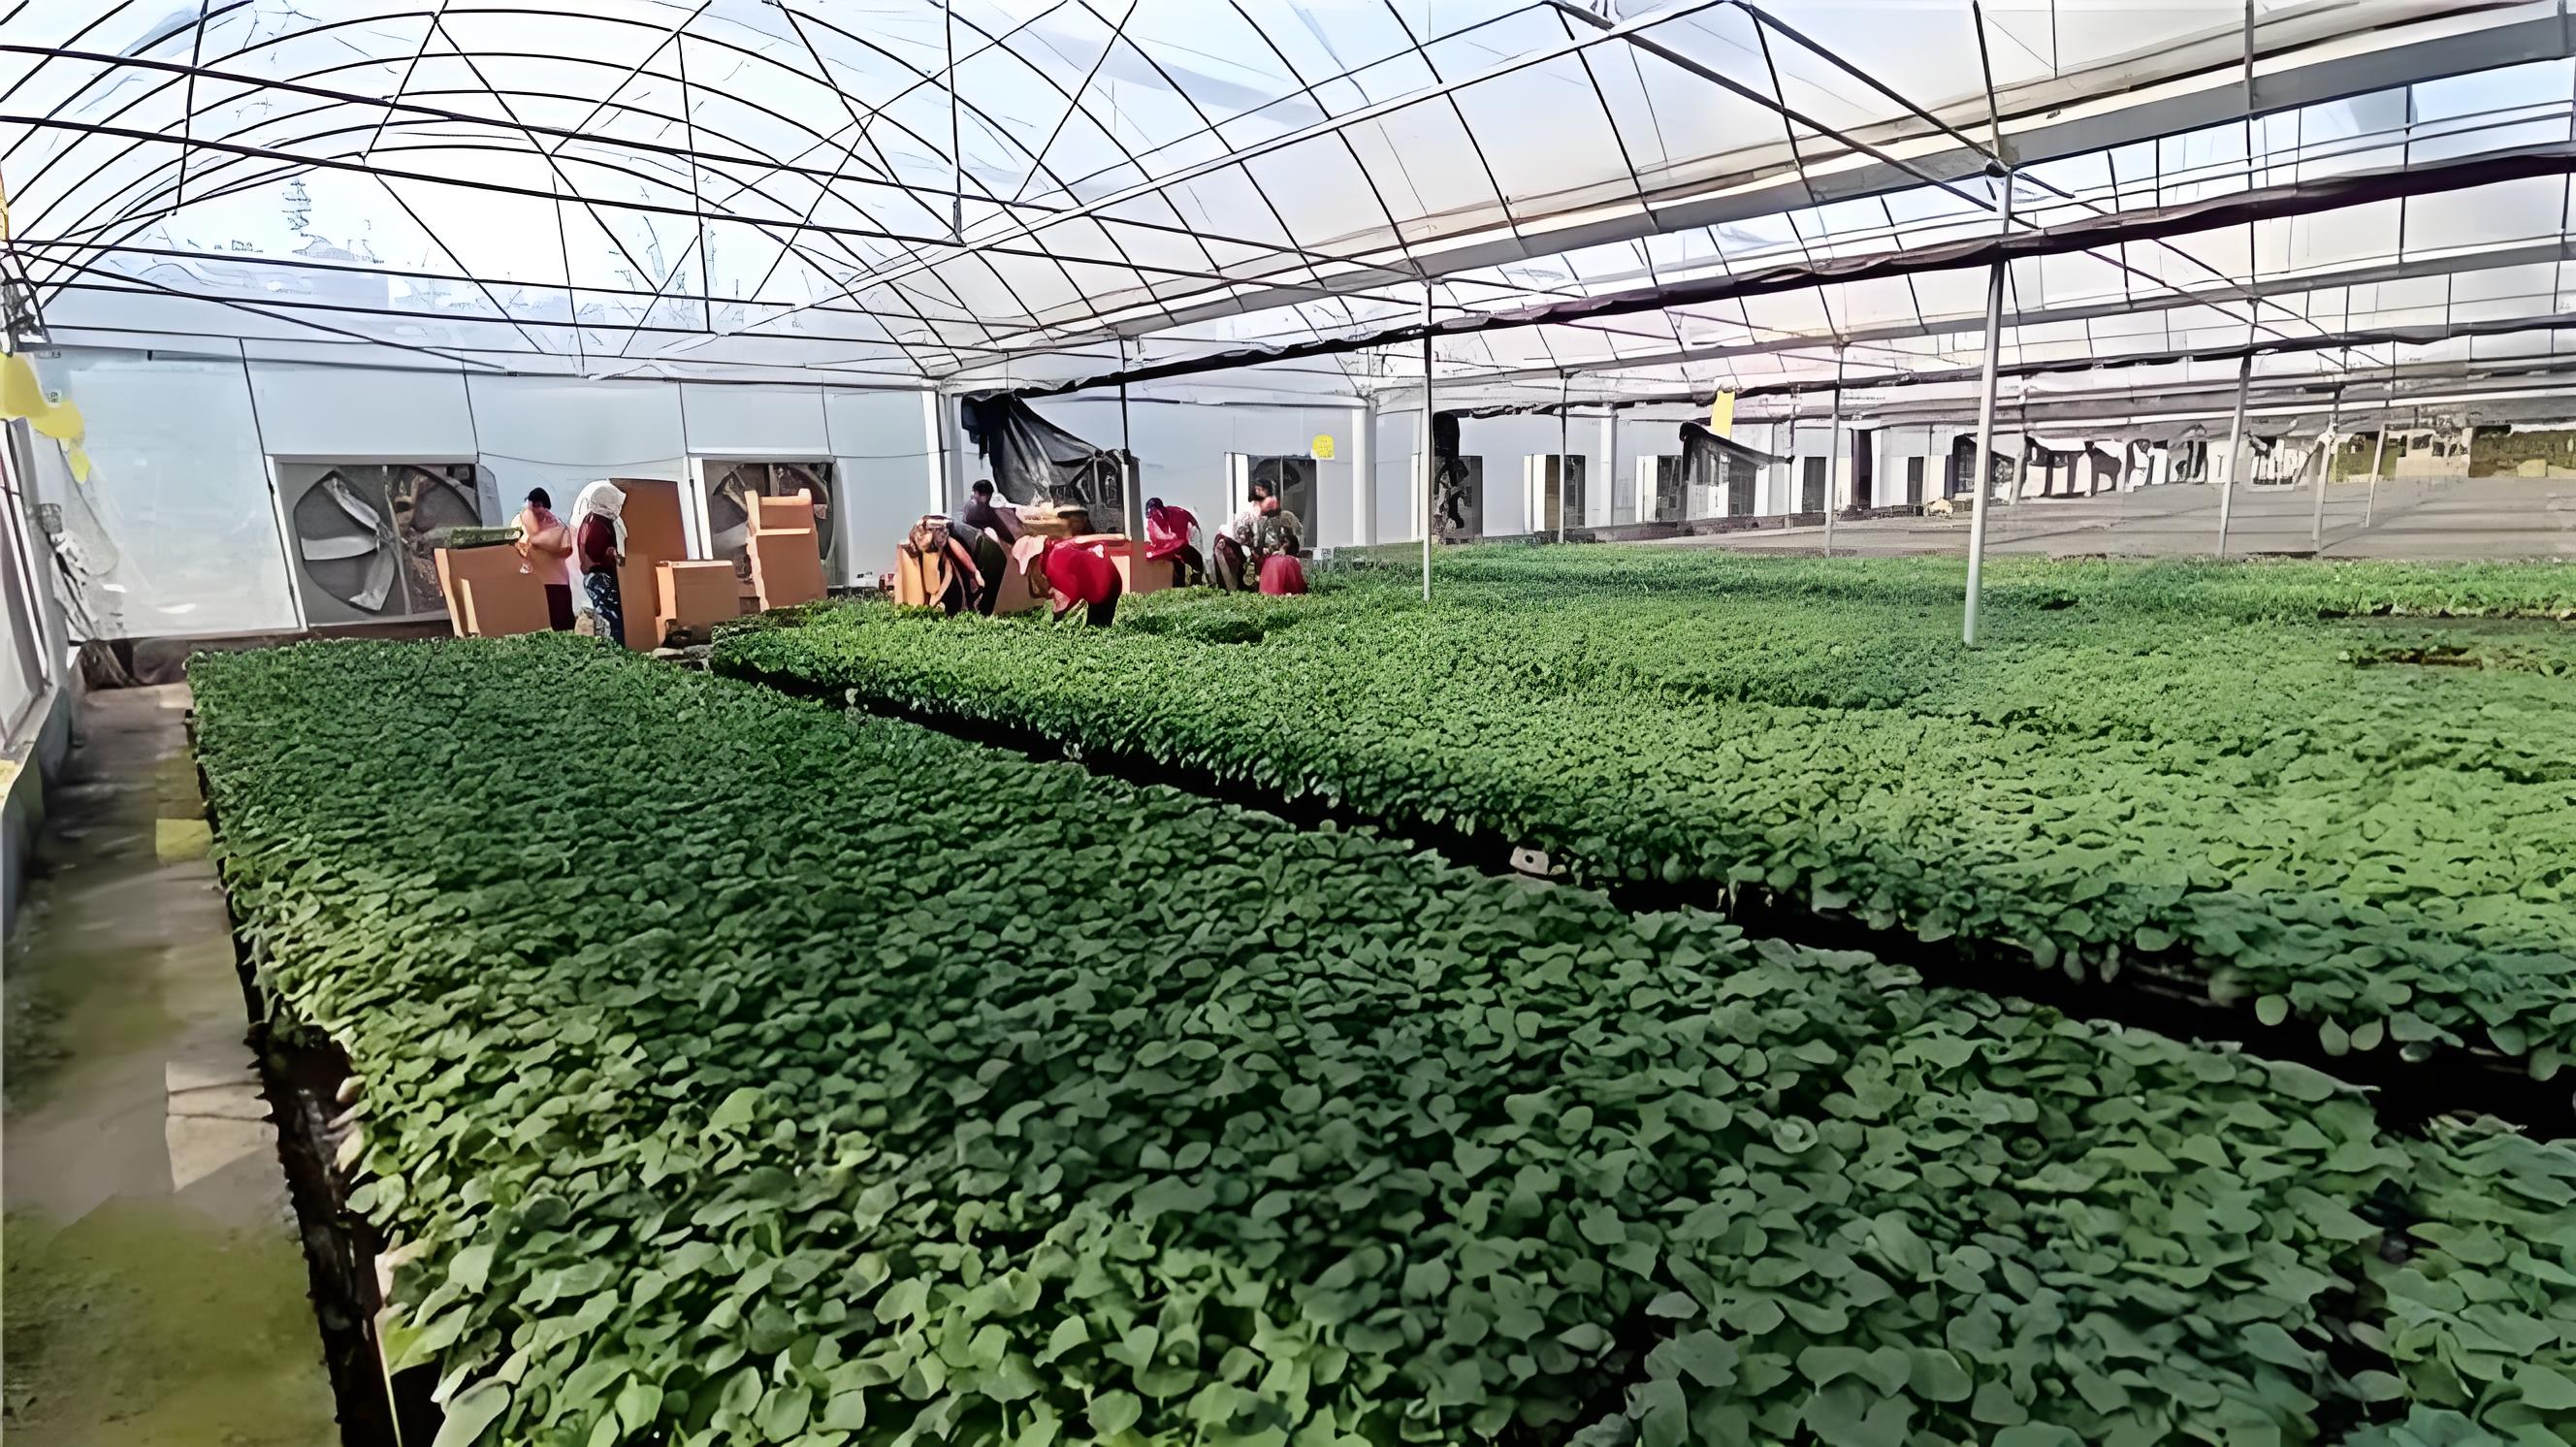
1167, 535
545, 549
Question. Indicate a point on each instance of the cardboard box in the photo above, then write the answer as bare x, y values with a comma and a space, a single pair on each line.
654, 536
786, 553
488, 593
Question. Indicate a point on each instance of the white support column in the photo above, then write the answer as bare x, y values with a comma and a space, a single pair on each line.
1131, 499
2378, 449
2235, 443
1788, 497
1609, 471
2325, 467
1982, 463
1430, 446
941, 464
1834, 453
1564, 468
1364, 473
1978, 483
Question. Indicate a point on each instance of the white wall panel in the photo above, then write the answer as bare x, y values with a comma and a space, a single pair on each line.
558, 435
179, 518
889, 465
1504, 443
724, 421
349, 416
1399, 481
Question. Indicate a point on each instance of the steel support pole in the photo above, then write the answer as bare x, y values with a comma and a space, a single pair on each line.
2325, 470
2379, 445
2235, 443
1564, 469
1364, 472
1979, 487
1610, 470
2378, 449
1791, 506
1131, 489
956, 143
2249, 64
1834, 451
1430, 419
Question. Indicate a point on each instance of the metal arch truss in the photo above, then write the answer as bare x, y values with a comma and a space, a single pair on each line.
1047, 215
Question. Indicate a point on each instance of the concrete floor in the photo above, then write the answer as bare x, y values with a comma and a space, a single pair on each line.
2493, 517
156, 1287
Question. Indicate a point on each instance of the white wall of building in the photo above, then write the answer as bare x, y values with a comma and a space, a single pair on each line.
182, 533
1182, 450
181, 528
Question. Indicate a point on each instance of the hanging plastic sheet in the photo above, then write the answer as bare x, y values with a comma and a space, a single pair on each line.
1448, 472
1719, 474
1035, 461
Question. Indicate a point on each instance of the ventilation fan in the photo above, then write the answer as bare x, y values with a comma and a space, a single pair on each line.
731, 486
364, 536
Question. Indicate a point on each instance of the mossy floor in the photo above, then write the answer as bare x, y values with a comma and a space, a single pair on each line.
152, 1283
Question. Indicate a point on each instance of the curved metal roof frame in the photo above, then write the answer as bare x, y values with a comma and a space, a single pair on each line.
659, 139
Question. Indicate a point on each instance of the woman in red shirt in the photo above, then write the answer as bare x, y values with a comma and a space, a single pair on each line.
1280, 539
1079, 575
1167, 535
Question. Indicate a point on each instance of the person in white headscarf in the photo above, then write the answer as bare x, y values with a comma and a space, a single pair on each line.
599, 545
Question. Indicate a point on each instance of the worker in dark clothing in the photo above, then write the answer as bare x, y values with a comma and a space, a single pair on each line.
935, 537
1231, 550
980, 512
1079, 575
992, 562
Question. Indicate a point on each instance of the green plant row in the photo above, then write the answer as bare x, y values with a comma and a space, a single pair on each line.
2278, 804
735, 1071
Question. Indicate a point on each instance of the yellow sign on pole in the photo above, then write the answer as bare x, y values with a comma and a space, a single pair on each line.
1721, 415
1323, 449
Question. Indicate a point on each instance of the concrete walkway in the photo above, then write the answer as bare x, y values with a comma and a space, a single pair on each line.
156, 1289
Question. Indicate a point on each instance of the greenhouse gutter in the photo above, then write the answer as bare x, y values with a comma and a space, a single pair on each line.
2281, 346
2242, 208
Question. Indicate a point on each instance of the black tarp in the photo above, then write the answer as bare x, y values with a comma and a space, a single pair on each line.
1723, 463
1034, 461
1448, 472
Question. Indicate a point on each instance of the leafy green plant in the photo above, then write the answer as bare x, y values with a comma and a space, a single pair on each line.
2183, 766
737, 1071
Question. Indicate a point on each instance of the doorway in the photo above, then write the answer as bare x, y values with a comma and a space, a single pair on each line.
1291, 479
1555, 491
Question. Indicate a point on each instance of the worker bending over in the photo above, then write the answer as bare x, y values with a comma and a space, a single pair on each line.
968, 581
1167, 536
1081, 576
1233, 546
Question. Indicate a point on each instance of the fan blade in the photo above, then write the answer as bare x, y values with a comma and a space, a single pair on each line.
365, 516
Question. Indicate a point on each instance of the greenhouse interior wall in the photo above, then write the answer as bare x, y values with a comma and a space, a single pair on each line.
180, 518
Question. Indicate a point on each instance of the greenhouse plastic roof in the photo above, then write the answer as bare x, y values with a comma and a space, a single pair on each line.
1014, 193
